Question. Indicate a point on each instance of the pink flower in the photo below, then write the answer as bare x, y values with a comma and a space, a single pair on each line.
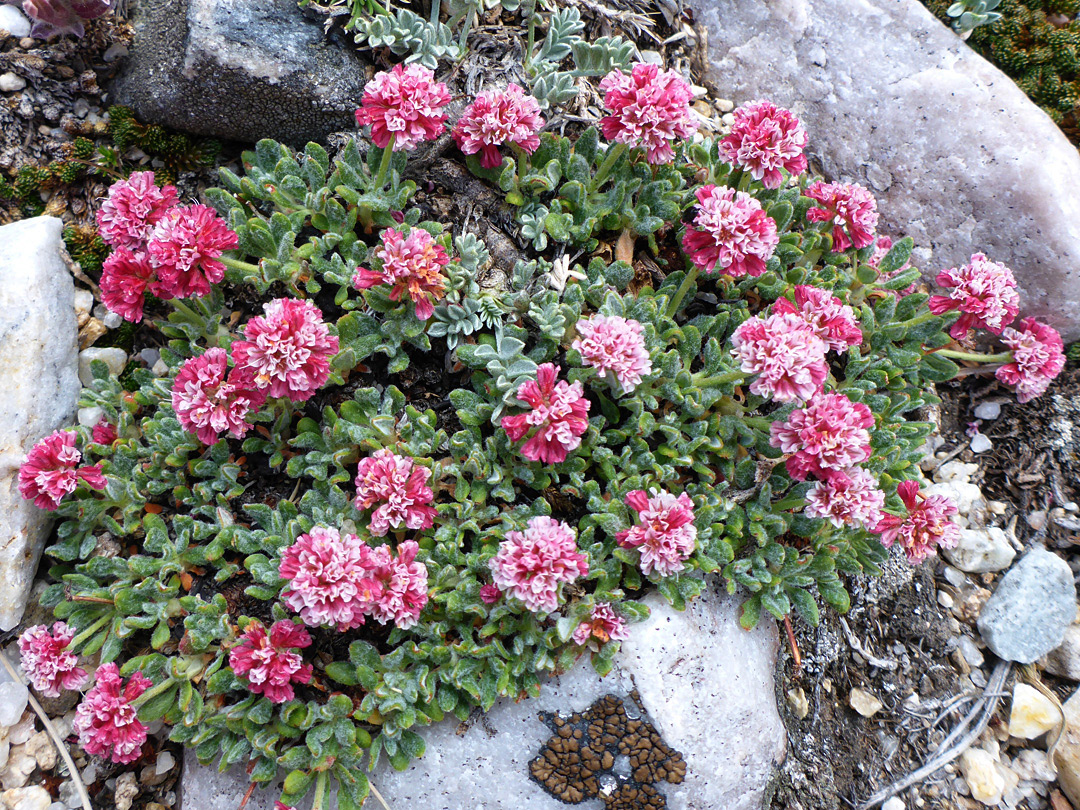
330, 578
731, 233
854, 500
831, 319
271, 663
495, 118
849, 207
411, 264
52, 470
824, 437
613, 344
399, 487
559, 413
765, 139
208, 402
604, 625
287, 350
280, 806
405, 103
489, 594
926, 526
881, 248
106, 721
125, 277
665, 533
785, 352
1037, 357
104, 432
185, 247
650, 108
530, 565
983, 291
404, 585
46, 660
132, 209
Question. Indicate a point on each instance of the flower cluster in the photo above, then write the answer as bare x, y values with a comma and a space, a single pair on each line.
270, 662
650, 108
785, 352
611, 343
496, 118
855, 500
665, 533
824, 438
531, 565
763, 140
131, 210
209, 398
411, 264
604, 625
925, 527
104, 432
830, 319
1037, 357
731, 233
404, 104
397, 489
983, 291
48, 662
106, 721
51, 471
851, 209
559, 414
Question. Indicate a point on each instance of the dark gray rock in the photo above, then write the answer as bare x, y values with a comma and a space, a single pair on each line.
239, 69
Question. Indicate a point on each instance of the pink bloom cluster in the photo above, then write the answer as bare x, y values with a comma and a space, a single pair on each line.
411, 264
824, 438
851, 209
731, 233
403, 585
131, 210
405, 104
785, 352
983, 291
831, 319
926, 526
764, 139
52, 470
1037, 357
855, 500
209, 399
287, 350
531, 565
46, 660
489, 594
650, 108
604, 625
104, 432
881, 248
610, 343
271, 662
665, 534
106, 721
496, 118
397, 487
559, 414
185, 247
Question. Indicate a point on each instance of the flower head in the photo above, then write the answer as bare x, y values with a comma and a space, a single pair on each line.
125, 277
489, 594
496, 118
46, 660
610, 343
983, 291
665, 533
209, 399
851, 209
330, 578
1037, 357
650, 108
132, 209
410, 264
881, 249
271, 662
397, 488
926, 526
764, 139
785, 352
405, 103
288, 349
559, 414
604, 625
531, 565
854, 501
104, 432
825, 437
52, 470
831, 319
106, 721
58, 17
185, 247
731, 233
404, 585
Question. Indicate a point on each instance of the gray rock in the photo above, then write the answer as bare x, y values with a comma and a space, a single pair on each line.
1033, 605
1065, 660
239, 69
958, 157
981, 551
706, 685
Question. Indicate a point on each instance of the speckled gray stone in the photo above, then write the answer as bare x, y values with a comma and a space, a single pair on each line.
1033, 606
239, 69
38, 364
957, 156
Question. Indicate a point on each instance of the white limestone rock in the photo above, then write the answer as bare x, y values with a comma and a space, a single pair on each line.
14, 21
981, 551
1032, 713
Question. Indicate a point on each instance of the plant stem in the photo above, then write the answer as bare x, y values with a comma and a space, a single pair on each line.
718, 379
89, 631
154, 691
680, 294
788, 503
320, 790
236, 264
384, 164
613, 154
759, 422
975, 357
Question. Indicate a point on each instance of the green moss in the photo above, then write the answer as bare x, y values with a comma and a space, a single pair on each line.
178, 152
86, 247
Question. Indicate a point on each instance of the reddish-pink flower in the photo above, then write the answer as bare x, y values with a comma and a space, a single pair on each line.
405, 103
610, 343
850, 208
831, 319
926, 526
650, 108
271, 663
288, 349
665, 533
531, 565
106, 721
125, 277
559, 414
104, 432
51, 471
825, 437
1037, 357
47, 661
983, 291
489, 594
854, 501
280, 806
731, 233
495, 118
397, 487
185, 247
412, 265
209, 399
132, 209
404, 585
881, 249
331, 580
764, 139
785, 352
604, 625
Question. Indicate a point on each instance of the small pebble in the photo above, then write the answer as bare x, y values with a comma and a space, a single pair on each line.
988, 410
81, 108
114, 358
800, 706
652, 58
954, 576
945, 599
13, 700
864, 703
14, 21
165, 762
84, 302
1032, 713
113, 320
728, 119
160, 369
26, 43
1036, 520
978, 678
980, 443
150, 356
895, 803
983, 779
972, 654
115, 51
88, 417
725, 105
9, 82
997, 507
